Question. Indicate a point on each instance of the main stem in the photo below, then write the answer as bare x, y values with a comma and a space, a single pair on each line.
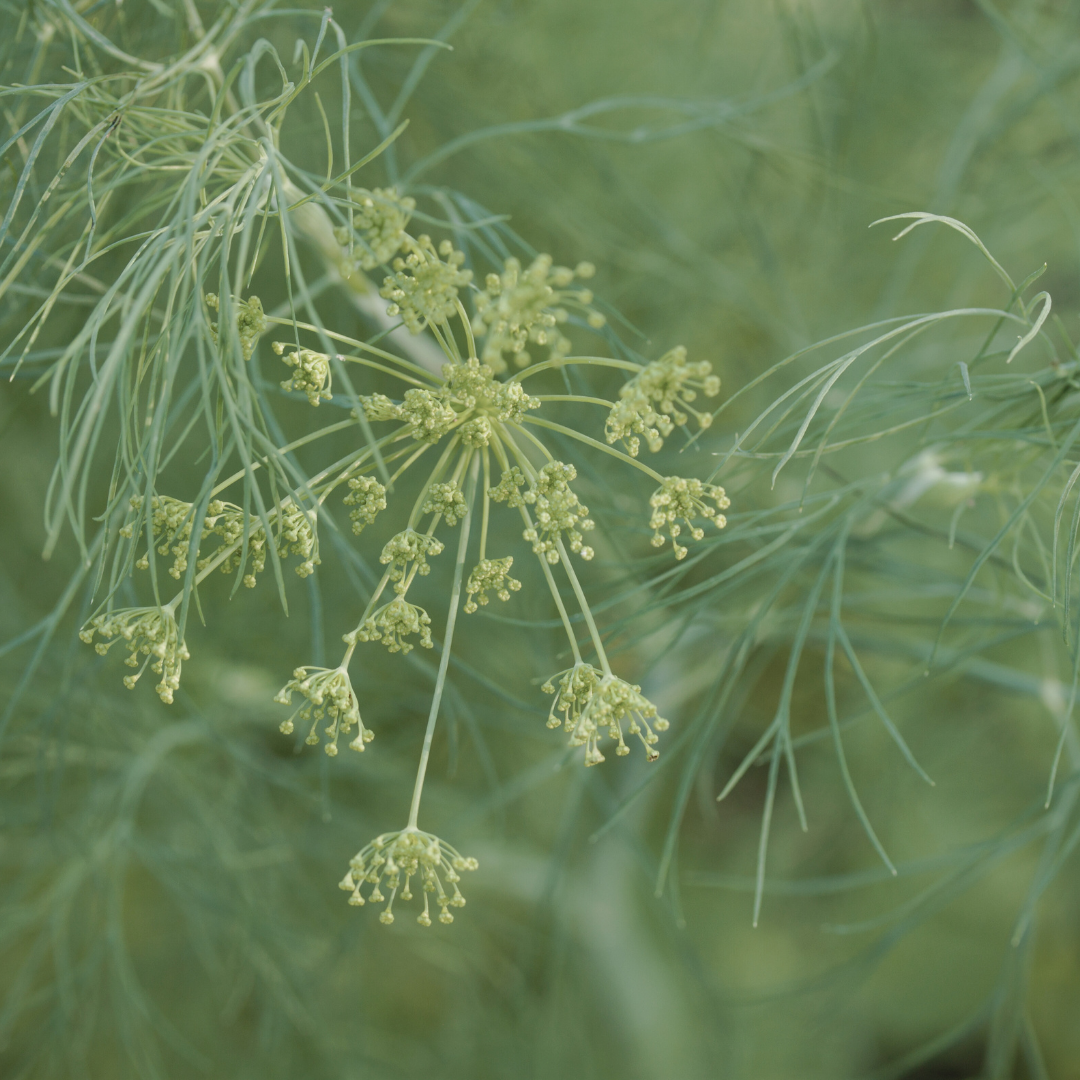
448, 637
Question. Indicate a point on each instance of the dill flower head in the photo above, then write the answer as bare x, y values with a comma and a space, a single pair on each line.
295, 535
520, 306
310, 375
379, 220
406, 554
657, 400
367, 497
149, 632
683, 500
427, 414
446, 501
250, 322
473, 386
558, 513
170, 523
490, 575
392, 624
392, 860
328, 692
592, 702
423, 288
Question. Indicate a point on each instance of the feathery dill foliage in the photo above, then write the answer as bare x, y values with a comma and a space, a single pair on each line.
189, 197
899, 509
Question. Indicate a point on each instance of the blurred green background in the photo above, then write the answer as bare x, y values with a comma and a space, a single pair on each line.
168, 875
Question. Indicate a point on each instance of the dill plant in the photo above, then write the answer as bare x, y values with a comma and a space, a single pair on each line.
219, 203
877, 519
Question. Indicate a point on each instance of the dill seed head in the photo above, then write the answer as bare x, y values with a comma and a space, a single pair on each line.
149, 632
392, 624
423, 288
379, 220
592, 703
328, 693
520, 306
490, 575
657, 400
683, 500
558, 513
368, 497
392, 860
310, 375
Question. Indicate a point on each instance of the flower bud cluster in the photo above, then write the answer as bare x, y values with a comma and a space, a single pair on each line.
520, 306
328, 692
683, 500
558, 513
657, 400
490, 575
368, 497
592, 702
379, 219
310, 375
149, 632
424, 288
408, 551
392, 624
473, 385
507, 490
250, 322
171, 521
446, 500
392, 860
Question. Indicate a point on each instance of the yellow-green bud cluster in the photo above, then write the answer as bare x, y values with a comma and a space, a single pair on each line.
592, 703
558, 513
520, 306
368, 497
295, 535
447, 501
310, 375
250, 322
392, 624
392, 860
171, 521
429, 417
490, 575
424, 288
471, 396
379, 219
406, 554
507, 490
473, 385
657, 400
149, 632
683, 500
328, 692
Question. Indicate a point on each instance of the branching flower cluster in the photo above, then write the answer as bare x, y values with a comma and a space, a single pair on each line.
394, 859
656, 401
493, 448
519, 306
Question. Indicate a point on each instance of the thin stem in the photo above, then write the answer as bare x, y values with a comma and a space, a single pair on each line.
584, 604
444, 660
